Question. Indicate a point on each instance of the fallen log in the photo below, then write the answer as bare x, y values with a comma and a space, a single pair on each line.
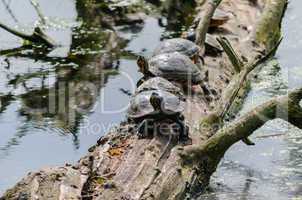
121, 166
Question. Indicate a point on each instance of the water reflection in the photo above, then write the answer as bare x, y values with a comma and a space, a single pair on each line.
68, 87
271, 169
44, 92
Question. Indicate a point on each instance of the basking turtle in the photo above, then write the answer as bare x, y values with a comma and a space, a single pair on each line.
211, 44
180, 45
152, 109
158, 83
219, 18
172, 66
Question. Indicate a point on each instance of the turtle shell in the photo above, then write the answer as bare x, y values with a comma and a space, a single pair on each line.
158, 83
140, 105
180, 45
220, 17
175, 67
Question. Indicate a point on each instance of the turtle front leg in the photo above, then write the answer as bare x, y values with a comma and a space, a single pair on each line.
183, 130
141, 81
144, 128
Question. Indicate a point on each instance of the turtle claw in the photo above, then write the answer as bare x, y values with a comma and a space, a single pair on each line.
248, 142
141, 135
143, 129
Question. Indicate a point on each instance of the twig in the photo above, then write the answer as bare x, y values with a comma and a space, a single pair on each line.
10, 12
38, 35
273, 135
36, 5
231, 53
242, 79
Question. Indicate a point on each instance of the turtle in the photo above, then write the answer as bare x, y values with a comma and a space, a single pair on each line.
211, 44
159, 83
181, 45
219, 18
174, 67
153, 109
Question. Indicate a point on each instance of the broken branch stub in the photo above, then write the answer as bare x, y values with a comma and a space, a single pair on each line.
231, 53
205, 20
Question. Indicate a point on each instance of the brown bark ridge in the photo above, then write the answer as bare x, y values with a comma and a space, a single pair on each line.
121, 166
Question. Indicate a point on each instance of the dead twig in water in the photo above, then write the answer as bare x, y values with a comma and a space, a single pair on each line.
38, 36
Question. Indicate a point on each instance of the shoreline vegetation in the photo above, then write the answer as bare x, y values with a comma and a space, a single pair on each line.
122, 166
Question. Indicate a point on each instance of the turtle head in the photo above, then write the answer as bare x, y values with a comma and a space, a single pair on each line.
189, 35
195, 58
142, 64
156, 101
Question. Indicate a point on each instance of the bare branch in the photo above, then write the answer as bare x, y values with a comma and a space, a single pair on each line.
231, 53
231, 92
286, 107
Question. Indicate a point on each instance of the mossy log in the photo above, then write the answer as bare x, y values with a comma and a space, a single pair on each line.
121, 166
268, 29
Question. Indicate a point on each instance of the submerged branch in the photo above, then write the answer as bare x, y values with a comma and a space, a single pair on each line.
36, 5
38, 36
286, 107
